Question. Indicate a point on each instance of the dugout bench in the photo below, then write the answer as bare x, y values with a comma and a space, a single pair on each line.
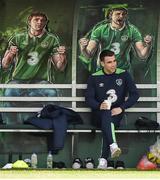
146, 106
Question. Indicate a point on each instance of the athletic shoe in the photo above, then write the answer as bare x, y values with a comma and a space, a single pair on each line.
8, 166
89, 163
55, 165
115, 150
119, 165
110, 165
77, 163
59, 165
102, 163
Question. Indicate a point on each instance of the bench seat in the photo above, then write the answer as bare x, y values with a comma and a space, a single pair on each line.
72, 128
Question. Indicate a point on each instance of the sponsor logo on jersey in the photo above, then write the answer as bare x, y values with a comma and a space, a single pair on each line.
44, 44
119, 82
115, 47
124, 38
101, 84
112, 96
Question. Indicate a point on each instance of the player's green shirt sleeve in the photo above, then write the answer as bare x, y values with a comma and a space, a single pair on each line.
96, 34
12, 41
136, 35
56, 44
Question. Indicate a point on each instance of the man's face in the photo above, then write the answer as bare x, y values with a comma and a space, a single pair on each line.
110, 64
118, 17
37, 23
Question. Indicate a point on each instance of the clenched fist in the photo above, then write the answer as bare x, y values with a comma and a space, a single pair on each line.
148, 40
83, 42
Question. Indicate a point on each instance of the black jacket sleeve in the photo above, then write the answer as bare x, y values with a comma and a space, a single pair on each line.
90, 94
132, 90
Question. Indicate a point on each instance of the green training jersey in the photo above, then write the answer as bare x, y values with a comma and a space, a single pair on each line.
119, 41
33, 58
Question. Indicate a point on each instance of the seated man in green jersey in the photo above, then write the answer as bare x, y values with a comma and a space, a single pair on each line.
117, 34
33, 53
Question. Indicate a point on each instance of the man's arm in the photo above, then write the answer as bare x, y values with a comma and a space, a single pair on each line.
90, 95
143, 49
9, 56
59, 58
132, 98
132, 91
87, 47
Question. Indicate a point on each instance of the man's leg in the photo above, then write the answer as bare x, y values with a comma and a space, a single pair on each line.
43, 92
38, 93
12, 117
108, 134
102, 119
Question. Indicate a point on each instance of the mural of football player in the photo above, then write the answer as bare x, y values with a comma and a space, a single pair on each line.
117, 34
33, 53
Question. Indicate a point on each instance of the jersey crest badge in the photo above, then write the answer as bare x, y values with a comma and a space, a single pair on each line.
44, 44
119, 82
124, 38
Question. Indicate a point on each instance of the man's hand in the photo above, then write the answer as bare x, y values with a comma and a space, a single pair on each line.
116, 111
61, 50
9, 56
148, 40
104, 106
83, 42
13, 50
59, 58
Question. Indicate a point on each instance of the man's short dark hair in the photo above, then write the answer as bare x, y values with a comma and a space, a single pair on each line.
120, 9
111, 10
105, 53
37, 13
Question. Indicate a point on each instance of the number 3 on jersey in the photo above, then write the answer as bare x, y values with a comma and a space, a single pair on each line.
115, 48
33, 58
112, 95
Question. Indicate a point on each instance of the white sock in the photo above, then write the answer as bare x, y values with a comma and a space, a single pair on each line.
113, 145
